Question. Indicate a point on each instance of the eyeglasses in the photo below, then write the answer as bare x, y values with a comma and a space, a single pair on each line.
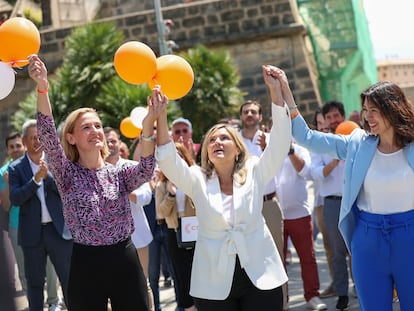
179, 131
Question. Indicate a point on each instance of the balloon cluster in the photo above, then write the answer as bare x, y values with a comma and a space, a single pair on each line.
136, 63
19, 38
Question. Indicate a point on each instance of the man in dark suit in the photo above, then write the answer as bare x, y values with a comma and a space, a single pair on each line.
42, 230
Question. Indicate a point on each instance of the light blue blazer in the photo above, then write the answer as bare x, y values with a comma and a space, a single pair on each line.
218, 242
358, 150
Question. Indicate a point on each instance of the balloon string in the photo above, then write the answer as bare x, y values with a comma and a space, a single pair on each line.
14, 62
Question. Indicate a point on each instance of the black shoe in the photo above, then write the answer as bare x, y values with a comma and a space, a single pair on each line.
343, 303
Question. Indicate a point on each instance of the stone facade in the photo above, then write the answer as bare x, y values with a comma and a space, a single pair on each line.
254, 32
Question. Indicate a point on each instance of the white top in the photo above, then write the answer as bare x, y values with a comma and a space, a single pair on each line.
331, 184
318, 199
291, 186
180, 201
388, 185
255, 150
41, 193
142, 235
228, 208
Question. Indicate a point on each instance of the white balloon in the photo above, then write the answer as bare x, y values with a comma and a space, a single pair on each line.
137, 116
7, 80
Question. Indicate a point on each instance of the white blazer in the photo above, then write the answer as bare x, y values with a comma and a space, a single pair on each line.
249, 238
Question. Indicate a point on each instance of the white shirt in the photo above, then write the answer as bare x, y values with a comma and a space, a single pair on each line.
255, 150
291, 186
331, 184
388, 185
180, 200
41, 193
228, 208
318, 199
142, 235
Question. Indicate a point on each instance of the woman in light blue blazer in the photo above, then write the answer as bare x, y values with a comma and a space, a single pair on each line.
236, 266
377, 211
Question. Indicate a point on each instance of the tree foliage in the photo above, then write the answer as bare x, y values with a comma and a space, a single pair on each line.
215, 94
87, 78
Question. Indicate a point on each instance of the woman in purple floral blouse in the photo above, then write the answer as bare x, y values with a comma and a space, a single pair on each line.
104, 263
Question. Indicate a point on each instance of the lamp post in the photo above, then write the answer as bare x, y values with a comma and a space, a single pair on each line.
160, 27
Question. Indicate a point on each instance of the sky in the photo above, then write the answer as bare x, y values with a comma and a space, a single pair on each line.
390, 25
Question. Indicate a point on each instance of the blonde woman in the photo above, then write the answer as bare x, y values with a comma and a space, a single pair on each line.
104, 263
236, 265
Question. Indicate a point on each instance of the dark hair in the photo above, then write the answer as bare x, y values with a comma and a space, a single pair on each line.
250, 102
394, 106
318, 111
108, 129
333, 104
11, 136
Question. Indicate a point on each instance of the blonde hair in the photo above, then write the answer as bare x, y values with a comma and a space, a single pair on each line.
239, 169
71, 151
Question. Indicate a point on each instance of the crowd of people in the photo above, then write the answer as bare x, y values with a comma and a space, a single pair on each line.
86, 213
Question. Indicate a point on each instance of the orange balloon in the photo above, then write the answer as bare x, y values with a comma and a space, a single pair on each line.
135, 62
19, 38
346, 127
174, 75
128, 129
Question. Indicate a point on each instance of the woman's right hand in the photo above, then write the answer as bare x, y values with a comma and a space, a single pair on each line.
38, 72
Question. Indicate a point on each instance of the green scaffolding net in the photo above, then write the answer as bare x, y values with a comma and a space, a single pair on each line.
338, 30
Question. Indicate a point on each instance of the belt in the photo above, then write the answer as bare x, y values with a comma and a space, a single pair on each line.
160, 221
269, 196
334, 197
46, 223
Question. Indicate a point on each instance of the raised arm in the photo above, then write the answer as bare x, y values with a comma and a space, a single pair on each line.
162, 123
157, 109
38, 72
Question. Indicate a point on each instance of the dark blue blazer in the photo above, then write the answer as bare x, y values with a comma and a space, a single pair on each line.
23, 193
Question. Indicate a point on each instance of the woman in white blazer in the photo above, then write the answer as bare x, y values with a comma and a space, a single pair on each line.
377, 209
236, 265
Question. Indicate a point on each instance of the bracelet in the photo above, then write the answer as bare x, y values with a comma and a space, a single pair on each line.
293, 108
149, 138
295, 114
291, 151
42, 91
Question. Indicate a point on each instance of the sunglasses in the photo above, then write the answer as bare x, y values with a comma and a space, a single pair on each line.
183, 131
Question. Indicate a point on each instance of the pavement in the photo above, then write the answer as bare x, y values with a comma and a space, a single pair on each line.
296, 299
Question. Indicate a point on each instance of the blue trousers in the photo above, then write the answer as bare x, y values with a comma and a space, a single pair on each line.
160, 241
382, 256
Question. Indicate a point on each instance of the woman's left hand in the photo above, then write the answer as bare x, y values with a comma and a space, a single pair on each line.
157, 105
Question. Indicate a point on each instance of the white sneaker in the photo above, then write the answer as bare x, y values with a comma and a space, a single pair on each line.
316, 304
55, 307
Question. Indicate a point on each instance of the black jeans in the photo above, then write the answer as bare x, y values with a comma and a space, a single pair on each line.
244, 296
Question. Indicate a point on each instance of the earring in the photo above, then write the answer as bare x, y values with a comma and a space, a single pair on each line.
237, 158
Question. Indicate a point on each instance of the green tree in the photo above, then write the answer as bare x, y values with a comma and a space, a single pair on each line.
215, 94
87, 73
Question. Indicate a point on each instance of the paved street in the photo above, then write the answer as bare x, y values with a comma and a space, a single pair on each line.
296, 299
297, 302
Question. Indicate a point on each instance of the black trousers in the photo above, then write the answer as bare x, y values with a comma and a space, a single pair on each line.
99, 273
244, 296
182, 261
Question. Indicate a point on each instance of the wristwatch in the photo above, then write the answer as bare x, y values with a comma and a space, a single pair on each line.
291, 151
